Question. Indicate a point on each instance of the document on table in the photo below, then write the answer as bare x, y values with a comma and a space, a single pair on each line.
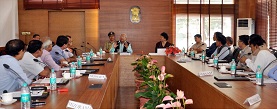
47, 80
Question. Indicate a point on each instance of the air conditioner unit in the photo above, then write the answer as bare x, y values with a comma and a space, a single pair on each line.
245, 26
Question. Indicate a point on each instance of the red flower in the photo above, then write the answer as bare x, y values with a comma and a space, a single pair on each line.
172, 50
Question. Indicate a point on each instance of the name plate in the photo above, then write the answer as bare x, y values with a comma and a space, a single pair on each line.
205, 73
78, 105
253, 99
97, 76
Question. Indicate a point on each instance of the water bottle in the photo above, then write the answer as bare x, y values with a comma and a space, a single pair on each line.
79, 62
53, 83
101, 51
215, 61
192, 53
259, 75
203, 56
87, 59
183, 50
91, 53
233, 66
72, 70
112, 50
25, 98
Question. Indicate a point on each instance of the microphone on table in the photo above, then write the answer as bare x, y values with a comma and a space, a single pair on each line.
78, 49
57, 53
85, 47
92, 46
14, 72
36, 60
262, 81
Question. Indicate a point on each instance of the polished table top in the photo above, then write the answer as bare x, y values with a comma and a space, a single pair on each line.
238, 93
78, 89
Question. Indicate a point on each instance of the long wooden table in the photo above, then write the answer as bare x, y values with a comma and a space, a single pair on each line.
206, 94
79, 90
201, 89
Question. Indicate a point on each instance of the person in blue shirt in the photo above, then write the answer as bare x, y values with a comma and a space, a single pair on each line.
273, 73
57, 52
9, 80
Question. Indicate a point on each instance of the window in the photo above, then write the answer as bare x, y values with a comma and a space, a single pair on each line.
188, 26
202, 17
204, 1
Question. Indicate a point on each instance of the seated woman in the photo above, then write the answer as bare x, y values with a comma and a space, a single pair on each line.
260, 55
199, 46
163, 43
222, 51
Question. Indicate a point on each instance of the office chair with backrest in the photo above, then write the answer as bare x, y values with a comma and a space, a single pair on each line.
236, 53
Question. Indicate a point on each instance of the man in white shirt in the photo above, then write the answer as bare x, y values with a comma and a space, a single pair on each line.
199, 46
261, 56
31, 62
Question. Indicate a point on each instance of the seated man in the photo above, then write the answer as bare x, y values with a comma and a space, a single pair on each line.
222, 51
212, 48
68, 51
57, 52
260, 55
9, 80
109, 44
245, 49
199, 46
36, 37
229, 42
122, 45
32, 68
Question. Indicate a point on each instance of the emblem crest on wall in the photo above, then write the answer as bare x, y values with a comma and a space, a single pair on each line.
135, 14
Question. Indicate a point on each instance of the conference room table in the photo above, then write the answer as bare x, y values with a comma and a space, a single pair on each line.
79, 91
206, 94
202, 90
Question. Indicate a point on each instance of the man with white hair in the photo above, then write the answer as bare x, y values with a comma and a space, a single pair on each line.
122, 45
47, 58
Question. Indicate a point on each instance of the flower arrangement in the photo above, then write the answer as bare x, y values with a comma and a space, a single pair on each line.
153, 88
172, 50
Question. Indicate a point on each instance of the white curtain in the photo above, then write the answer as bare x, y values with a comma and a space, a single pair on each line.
8, 21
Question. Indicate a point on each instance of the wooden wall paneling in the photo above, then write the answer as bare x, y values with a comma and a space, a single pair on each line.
2, 51
36, 21
155, 19
67, 23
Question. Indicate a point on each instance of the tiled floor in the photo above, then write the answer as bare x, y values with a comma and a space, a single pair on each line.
126, 98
